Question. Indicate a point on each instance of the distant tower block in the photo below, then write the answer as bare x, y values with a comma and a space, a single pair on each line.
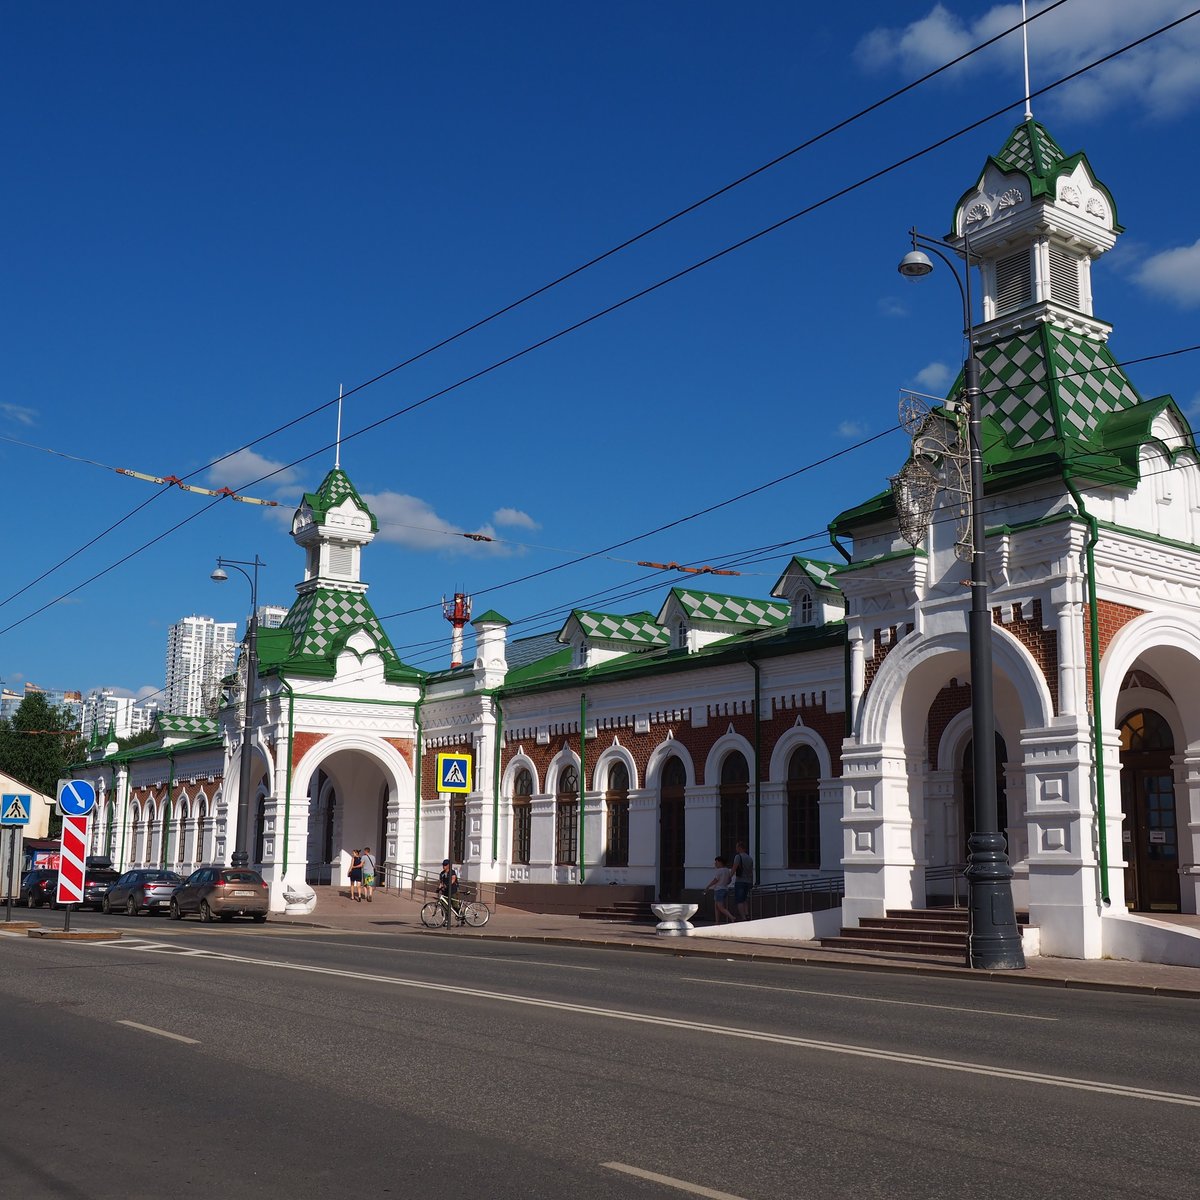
458, 613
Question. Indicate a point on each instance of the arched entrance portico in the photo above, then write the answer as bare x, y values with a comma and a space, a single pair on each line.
357, 792
903, 791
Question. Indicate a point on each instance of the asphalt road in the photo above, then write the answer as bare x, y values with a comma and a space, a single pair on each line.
395, 1064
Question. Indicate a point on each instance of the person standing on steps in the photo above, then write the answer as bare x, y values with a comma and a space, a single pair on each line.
356, 875
368, 872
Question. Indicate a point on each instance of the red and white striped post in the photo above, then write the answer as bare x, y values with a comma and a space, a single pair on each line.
75, 800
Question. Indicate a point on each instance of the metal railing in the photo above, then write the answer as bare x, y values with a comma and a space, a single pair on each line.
423, 885
951, 874
815, 894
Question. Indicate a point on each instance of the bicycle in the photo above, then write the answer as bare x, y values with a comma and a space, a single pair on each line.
436, 913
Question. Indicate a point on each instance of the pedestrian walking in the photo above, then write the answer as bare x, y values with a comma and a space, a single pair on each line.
368, 872
743, 881
356, 875
721, 885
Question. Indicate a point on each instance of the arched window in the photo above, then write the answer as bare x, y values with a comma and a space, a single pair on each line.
202, 830
566, 817
805, 608
735, 802
672, 822
522, 811
458, 828
803, 809
260, 829
616, 798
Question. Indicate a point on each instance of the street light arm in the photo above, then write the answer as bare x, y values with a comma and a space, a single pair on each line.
931, 244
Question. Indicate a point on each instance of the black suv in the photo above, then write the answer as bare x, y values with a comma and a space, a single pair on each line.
96, 882
38, 887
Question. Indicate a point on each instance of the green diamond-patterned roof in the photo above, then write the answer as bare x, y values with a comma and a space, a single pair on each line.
1031, 149
335, 488
1047, 383
319, 624
173, 725
735, 610
821, 573
639, 628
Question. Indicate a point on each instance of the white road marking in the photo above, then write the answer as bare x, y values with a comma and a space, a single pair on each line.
175, 1037
533, 962
753, 1035
696, 1189
764, 987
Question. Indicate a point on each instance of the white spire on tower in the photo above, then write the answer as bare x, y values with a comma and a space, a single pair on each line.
1025, 46
337, 454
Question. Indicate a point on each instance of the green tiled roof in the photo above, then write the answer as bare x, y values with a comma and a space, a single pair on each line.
735, 610
821, 573
1048, 384
316, 630
491, 617
336, 488
1030, 149
175, 726
638, 628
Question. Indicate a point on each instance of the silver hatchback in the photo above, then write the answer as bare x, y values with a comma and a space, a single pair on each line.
224, 892
142, 889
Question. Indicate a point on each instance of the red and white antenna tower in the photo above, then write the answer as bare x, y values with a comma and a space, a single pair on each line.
458, 613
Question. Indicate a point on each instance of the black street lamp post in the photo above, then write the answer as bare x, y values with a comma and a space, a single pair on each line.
994, 941
241, 857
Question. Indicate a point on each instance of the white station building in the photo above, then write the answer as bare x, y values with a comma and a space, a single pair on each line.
828, 724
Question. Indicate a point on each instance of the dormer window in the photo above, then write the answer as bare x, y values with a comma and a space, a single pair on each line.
1014, 282
681, 636
804, 608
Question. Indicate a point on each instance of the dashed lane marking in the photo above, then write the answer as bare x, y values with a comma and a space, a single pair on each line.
696, 1189
764, 987
175, 1037
897, 1057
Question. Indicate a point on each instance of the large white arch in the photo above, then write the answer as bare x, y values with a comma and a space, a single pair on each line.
718, 752
918, 664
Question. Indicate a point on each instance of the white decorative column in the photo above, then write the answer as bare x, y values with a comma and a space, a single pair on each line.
1187, 804
702, 835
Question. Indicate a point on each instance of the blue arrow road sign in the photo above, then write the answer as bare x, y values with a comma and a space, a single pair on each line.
14, 810
76, 797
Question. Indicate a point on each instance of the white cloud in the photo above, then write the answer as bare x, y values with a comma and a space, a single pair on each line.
1159, 77
935, 375
1174, 274
19, 414
889, 306
514, 518
247, 469
411, 522
851, 429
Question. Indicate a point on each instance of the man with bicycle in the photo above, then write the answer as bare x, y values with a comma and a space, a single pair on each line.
448, 887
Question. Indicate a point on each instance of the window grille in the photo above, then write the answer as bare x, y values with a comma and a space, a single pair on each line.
1014, 281
1064, 277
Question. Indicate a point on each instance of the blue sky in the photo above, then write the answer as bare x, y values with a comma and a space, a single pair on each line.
218, 214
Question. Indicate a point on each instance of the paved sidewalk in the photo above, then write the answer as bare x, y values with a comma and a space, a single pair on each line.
389, 911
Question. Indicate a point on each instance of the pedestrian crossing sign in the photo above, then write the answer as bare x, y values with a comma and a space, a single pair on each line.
14, 810
454, 772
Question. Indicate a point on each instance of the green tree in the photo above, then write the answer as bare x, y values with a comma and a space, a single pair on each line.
138, 739
39, 745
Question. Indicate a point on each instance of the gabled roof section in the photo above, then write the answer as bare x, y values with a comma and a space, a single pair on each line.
729, 610
638, 629
334, 489
821, 574
316, 630
491, 617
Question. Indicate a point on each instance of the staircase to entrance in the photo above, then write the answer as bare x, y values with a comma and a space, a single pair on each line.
929, 932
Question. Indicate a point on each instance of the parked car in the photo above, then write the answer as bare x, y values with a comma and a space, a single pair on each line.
224, 892
96, 882
38, 887
143, 888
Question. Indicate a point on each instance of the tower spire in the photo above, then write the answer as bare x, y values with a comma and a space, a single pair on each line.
1025, 48
337, 454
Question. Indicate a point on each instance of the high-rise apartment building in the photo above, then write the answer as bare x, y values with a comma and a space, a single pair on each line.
102, 706
270, 616
200, 653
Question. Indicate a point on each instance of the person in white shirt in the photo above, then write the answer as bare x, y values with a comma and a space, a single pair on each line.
719, 885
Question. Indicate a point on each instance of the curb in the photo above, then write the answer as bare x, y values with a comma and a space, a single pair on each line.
74, 935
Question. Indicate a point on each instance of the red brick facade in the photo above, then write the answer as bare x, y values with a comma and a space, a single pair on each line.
302, 743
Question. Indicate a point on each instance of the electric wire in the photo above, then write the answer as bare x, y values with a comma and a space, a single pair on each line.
628, 242
708, 260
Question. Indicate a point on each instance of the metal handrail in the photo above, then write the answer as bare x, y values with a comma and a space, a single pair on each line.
813, 894
955, 872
